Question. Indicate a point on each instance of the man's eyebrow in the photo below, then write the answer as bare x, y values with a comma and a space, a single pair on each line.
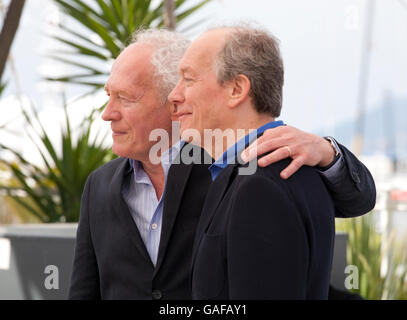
120, 92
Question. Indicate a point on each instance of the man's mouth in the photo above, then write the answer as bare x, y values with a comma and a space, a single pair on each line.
116, 133
182, 115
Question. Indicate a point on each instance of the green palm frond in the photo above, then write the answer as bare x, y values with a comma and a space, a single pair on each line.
112, 22
372, 252
52, 192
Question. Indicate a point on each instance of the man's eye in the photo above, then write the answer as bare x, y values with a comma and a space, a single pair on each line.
124, 99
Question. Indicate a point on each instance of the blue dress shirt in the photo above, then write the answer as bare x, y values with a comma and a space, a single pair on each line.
229, 156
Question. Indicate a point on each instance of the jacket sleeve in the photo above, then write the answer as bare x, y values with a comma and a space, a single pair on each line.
267, 250
352, 187
84, 284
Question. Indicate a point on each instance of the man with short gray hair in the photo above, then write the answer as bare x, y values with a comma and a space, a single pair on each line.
240, 54
259, 236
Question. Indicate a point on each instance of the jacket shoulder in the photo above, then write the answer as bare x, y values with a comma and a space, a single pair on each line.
303, 186
109, 169
273, 172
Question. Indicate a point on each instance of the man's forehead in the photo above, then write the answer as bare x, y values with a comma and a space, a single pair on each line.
135, 56
129, 83
133, 66
218, 34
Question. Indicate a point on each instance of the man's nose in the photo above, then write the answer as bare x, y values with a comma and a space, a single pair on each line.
111, 113
176, 96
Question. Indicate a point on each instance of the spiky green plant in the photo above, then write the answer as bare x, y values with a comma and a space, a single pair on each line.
112, 22
52, 192
368, 249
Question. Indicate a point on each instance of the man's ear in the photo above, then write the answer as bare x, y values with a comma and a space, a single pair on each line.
239, 90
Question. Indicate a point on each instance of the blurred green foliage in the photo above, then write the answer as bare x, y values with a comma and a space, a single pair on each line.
381, 259
52, 192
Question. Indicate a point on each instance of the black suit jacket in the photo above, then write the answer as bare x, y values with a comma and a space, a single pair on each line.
110, 259
355, 193
262, 237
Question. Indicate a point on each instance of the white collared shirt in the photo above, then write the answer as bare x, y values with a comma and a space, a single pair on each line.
141, 198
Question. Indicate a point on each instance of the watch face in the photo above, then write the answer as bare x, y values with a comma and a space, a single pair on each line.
333, 146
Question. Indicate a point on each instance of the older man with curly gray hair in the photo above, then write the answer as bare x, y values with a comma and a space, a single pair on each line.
138, 218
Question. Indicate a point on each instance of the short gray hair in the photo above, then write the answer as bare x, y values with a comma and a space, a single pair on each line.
169, 48
254, 53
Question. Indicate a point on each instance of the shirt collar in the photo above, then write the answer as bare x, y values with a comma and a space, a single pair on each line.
170, 154
229, 156
167, 158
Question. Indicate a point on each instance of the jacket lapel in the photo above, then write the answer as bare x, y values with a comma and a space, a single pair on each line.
177, 179
120, 207
213, 199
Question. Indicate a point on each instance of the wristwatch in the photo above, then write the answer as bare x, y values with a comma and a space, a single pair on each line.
334, 145
337, 154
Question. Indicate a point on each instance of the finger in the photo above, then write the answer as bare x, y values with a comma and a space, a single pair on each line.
271, 140
250, 152
292, 168
260, 147
277, 131
273, 157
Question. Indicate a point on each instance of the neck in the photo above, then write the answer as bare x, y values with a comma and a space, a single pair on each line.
235, 131
156, 174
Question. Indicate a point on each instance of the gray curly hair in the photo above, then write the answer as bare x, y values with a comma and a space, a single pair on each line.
169, 48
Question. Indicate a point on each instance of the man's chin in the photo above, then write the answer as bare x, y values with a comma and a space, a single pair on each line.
118, 151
